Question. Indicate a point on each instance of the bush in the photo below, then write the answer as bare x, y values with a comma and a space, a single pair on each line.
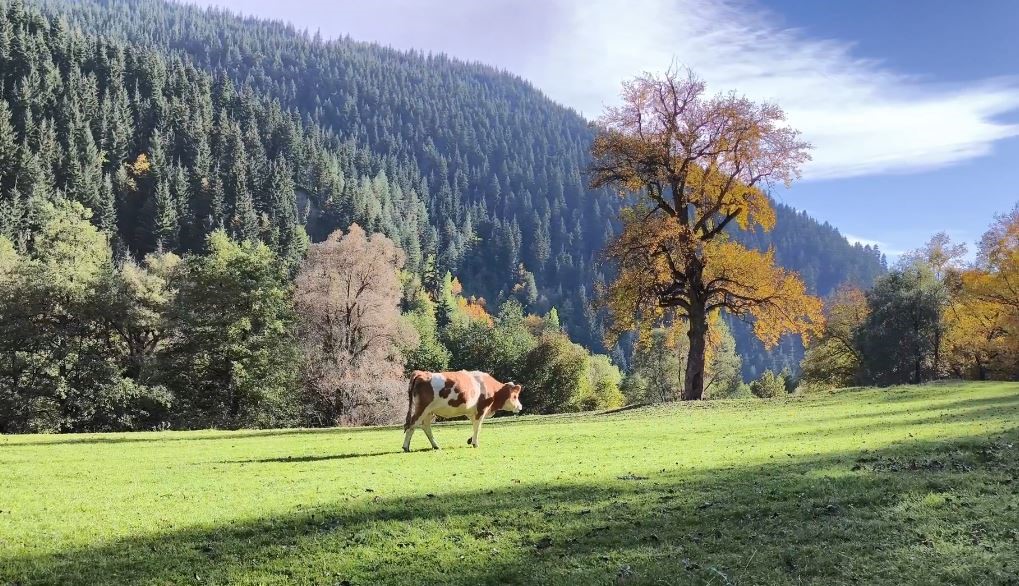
555, 373
634, 388
768, 386
740, 390
603, 391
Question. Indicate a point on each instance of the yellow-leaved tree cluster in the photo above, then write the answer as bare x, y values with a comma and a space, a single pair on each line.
982, 339
934, 315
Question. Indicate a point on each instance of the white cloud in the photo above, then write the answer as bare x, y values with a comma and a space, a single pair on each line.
862, 117
863, 241
890, 252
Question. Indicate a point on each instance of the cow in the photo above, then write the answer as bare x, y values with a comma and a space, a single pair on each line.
452, 394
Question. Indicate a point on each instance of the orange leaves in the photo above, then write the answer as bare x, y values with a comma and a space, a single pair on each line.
658, 257
982, 337
141, 165
983, 319
754, 208
998, 258
747, 283
689, 154
474, 309
648, 252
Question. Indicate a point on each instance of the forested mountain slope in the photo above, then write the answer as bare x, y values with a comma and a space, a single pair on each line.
470, 169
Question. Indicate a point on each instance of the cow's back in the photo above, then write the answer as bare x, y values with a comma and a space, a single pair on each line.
489, 386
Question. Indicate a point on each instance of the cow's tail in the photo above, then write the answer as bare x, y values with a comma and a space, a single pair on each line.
410, 400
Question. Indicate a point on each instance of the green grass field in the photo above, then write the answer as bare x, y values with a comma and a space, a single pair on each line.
903, 485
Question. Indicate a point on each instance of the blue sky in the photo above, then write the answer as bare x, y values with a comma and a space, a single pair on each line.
939, 42
912, 105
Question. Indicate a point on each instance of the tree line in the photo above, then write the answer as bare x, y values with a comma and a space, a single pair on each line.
236, 336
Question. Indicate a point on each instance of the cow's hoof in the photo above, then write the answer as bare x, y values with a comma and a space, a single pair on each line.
436, 448
469, 442
406, 450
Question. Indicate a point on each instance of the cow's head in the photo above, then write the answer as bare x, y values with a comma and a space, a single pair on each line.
512, 402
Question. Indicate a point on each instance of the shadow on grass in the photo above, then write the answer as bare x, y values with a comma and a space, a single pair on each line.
909, 392
197, 436
845, 518
223, 435
318, 458
961, 404
955, 413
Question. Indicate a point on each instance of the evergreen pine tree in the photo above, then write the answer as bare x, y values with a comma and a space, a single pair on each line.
245, 219
8, 148
105, 216
165, 222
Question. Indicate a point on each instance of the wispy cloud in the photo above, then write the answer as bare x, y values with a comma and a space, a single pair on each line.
862, 117
887, 250
864, 241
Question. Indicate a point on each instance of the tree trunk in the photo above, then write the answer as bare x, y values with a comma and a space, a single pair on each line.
693, 387
937, 353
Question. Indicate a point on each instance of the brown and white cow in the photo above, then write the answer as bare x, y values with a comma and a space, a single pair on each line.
452, 394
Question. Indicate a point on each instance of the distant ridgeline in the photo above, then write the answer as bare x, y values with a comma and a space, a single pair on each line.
263, 129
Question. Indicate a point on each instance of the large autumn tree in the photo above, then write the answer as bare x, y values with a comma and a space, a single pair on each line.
698, 165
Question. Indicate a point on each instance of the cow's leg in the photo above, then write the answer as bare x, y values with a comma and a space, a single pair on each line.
426, 424
418, 419
406, 438
477, 428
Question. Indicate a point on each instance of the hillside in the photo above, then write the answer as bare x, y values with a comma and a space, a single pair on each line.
897, 486
470, 169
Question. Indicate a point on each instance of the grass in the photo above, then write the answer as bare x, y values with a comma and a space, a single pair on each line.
904, 485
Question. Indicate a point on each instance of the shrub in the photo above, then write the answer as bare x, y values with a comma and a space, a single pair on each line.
555, 373
603, 391
768, 386
634, 388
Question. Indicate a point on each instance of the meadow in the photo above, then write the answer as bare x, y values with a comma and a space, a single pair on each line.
905, 485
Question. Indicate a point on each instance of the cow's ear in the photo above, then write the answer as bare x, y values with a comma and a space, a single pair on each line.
518, 388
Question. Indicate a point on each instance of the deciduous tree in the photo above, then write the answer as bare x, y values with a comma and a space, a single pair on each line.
834, 359
898, 340
231, 358
347, 296
983, 321
699, 165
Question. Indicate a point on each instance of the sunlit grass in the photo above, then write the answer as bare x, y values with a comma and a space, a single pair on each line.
904, 485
